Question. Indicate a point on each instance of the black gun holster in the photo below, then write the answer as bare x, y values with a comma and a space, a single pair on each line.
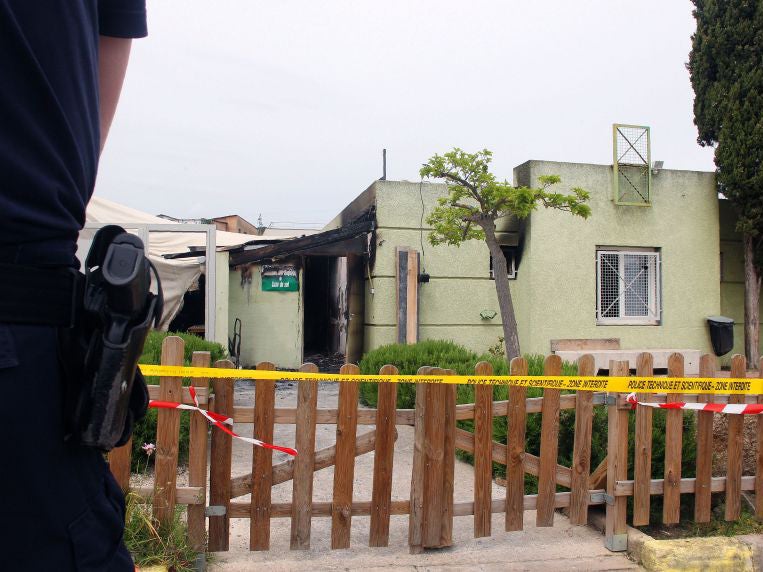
103, 317
118, 312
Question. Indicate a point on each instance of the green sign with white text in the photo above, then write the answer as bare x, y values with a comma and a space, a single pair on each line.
280, 284
280, 278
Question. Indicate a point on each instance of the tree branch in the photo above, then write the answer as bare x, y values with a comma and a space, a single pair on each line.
563, 208
498, 207
464, 183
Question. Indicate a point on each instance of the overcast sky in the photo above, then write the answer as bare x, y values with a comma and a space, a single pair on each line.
283, 107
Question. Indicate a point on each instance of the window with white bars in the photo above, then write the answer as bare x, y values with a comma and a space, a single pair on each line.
628, 287
511, 262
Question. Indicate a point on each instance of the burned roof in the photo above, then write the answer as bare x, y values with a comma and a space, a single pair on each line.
349, 239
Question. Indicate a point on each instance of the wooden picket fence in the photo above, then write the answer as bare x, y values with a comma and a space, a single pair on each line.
430, 506
165, 494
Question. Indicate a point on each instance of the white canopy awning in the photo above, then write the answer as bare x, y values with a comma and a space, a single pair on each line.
103, 211
177, 276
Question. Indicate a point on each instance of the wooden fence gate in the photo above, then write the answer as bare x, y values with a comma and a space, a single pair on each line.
430, 506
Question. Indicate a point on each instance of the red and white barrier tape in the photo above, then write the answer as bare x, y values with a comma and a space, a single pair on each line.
733, 408
219, 421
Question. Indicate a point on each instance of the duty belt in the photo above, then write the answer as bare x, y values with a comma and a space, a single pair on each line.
39, 296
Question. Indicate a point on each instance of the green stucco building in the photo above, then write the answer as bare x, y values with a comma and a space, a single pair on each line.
646, 274
565, 267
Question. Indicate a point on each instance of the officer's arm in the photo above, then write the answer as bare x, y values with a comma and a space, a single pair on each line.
114, 54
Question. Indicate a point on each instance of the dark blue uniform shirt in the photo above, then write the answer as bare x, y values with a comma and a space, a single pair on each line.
67, 510
49, 120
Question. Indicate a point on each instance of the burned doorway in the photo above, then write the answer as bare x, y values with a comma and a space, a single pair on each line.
325, 295
190, 318
332, 289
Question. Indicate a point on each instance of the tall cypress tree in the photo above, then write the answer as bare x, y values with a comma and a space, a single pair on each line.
726, 68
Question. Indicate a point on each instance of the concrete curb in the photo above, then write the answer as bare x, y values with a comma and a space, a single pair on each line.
744, 553
755, 542
636, 541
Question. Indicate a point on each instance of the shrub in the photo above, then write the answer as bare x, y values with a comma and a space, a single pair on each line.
152, 350
408, 358
145, 429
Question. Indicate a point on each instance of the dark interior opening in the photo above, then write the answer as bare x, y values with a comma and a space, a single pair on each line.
191, 315
318, 303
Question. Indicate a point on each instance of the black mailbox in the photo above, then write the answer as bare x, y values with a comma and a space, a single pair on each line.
721, 334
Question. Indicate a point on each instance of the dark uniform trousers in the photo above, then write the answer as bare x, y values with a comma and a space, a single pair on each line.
61, 509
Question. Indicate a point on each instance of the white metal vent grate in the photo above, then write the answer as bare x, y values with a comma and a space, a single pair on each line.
628, 287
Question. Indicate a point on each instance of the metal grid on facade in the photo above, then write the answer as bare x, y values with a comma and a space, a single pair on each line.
632, 145
628, 287
632, 161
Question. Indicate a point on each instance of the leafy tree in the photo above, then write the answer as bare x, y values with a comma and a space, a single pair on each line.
726, 68
475, 201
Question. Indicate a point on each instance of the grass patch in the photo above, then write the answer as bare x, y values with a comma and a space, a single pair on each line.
153, 545
718, 526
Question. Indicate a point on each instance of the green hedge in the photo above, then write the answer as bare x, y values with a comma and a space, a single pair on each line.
145, 429
152, 350
408, 358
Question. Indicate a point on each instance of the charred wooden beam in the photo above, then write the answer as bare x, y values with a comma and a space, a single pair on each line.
322, 243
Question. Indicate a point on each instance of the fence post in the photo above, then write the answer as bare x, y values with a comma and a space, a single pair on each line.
515, 449
734, 450
483, 452
416, 520
642, 469
431, 522
344, 466
167, 435
220, 466
615, 528
702, 489
384, 449
120, 460
304, 463
434, 462
581, 456
262, 460
549, 446
197, 460
449, 467
671, 494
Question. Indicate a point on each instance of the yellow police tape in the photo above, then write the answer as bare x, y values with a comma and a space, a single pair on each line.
610, 384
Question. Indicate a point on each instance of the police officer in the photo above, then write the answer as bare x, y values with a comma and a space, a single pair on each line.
62, 63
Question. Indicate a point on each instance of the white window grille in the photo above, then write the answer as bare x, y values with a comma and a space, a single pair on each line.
628, 287
511, 264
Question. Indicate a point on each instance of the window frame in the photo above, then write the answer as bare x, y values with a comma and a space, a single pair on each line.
654, 284
511, 263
